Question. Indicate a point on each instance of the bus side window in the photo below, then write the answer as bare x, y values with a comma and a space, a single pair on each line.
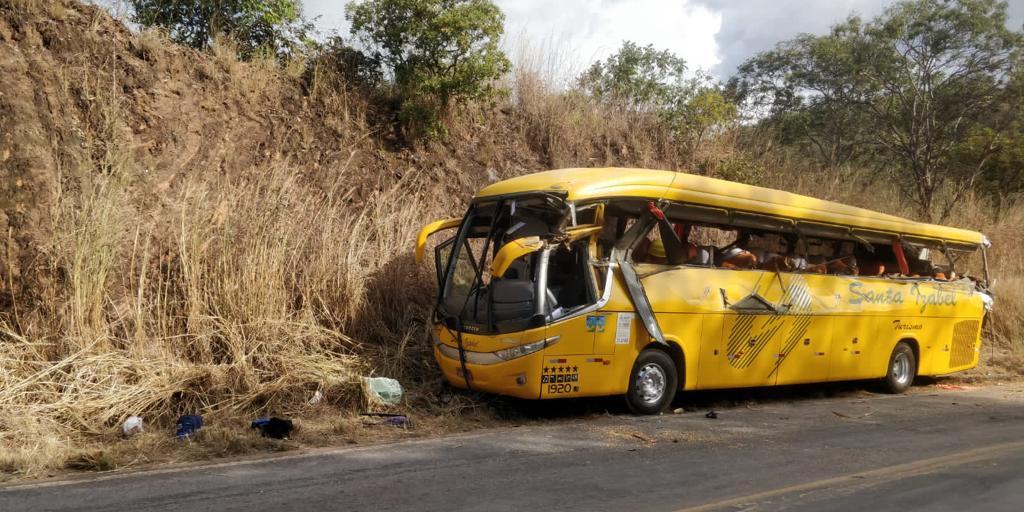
569, 277
611, 230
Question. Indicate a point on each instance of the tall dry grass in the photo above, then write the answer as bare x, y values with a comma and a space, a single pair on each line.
232, 295
567, 129
239, 303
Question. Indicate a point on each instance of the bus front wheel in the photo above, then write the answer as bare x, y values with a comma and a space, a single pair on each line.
652, 383
902, 369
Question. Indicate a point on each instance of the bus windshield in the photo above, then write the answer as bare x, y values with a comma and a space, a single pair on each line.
469, 294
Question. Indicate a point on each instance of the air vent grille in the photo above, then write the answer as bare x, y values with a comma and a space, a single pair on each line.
965, 333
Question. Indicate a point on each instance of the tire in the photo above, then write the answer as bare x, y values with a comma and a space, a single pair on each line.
652, 383
901, 371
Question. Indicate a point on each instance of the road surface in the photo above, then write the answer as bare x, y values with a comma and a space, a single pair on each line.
932, 449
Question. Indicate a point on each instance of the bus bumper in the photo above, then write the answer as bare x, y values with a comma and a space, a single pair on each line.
518, 377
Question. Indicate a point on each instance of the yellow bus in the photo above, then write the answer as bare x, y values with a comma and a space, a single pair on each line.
607, 281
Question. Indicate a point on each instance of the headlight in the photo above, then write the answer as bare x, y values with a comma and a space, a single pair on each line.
498, 356
520, 351
526, 349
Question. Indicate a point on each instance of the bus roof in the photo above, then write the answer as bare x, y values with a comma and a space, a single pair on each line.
595, 183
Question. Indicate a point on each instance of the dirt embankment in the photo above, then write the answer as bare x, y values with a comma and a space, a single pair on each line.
84, 98
182, 232
82, 94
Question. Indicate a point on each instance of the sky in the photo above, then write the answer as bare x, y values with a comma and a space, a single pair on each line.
713, 35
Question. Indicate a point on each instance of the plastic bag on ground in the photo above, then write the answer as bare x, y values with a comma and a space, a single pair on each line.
132, 426
317, 398
382, 390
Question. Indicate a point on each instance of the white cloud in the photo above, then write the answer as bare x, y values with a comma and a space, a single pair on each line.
716, 35
581, 31
589, 30
751, 26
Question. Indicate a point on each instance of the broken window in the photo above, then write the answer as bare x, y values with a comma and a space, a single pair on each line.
742, 241
536, 280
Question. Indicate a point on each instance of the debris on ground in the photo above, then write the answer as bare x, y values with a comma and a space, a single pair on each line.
317, 398
953, 387
275, 428
711, 415
398, 420
132, 426
678, 411
188, 425
642, 437
847, 416
381, 391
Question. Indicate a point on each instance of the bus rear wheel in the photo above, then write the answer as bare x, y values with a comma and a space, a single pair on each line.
652, 383
902, 369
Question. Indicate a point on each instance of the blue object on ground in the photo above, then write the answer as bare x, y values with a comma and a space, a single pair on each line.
259, 423
188, 425
397, 420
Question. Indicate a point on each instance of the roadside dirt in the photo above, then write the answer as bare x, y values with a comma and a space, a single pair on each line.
604, 419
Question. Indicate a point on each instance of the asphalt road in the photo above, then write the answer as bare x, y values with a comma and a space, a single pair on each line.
932, 449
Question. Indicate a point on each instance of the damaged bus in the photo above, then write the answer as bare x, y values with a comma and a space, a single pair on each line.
590, 282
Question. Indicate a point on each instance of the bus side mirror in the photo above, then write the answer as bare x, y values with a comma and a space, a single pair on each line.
430, 229
512, 251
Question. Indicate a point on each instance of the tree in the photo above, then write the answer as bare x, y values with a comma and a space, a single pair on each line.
436, 52
255, 25
644, 80
904, 90
707, 110
637, 78
811, 90
940, 69
997, 147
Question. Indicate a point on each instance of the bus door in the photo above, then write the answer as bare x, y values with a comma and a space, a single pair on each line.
752, 329
807, 340
573, 365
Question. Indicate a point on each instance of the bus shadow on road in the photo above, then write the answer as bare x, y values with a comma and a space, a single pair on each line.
689, 401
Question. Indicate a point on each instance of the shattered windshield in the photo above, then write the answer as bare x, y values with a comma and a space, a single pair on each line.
468, 291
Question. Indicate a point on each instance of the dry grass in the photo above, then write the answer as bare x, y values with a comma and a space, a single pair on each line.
242, 312
25, 6
236, 295
148, 43
567, 129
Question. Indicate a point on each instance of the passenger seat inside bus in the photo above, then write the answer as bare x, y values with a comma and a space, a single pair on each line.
513, 300
518, 269
566, 269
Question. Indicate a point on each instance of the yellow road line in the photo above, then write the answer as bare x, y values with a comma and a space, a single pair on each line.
906, 470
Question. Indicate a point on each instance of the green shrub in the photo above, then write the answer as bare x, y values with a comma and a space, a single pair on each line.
255, 25
435, 52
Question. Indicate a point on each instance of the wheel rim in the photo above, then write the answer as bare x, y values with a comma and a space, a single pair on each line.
901, 368
650, 383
